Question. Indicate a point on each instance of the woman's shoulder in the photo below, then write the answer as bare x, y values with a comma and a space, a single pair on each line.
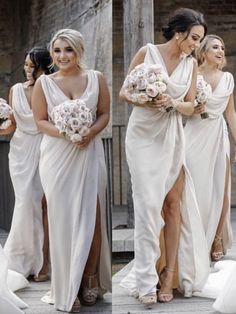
228, 75
17, 85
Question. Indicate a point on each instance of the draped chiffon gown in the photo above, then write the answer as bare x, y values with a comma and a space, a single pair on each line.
10, 281
207, 152
24, 245
73, 180
155, 149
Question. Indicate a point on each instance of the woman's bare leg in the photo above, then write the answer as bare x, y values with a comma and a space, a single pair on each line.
171, 210
89, 281
217, 244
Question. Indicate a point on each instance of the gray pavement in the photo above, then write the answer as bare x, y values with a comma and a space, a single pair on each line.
122, 303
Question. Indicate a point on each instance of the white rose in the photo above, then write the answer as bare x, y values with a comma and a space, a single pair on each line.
141, 84
151, 78
75, 137
5, 125
142, 98
151, 90
75, 124
160, 86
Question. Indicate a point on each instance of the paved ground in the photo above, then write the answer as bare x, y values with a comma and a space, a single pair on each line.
122, 303
35, 291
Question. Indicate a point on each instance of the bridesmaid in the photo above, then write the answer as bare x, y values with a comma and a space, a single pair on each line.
160, 181
26, 247
208, 149
74, 178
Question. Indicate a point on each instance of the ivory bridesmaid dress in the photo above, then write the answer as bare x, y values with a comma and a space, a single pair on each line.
207, 151
73, 180
24, 245
10, 281
155, 149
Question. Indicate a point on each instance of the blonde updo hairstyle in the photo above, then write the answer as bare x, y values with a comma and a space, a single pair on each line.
201, 51
74, 39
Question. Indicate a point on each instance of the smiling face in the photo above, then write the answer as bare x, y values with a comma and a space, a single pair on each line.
188, 44
215, 52
63, 55
29, 68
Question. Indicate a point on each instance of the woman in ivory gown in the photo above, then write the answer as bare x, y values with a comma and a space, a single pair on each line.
208, 149
155, 148
26, 247
74, 178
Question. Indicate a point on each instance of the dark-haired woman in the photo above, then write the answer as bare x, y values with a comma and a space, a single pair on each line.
26, 247
161, 183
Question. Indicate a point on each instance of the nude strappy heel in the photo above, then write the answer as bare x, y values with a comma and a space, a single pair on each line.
89, 291
165, 296
148, 300
217, 255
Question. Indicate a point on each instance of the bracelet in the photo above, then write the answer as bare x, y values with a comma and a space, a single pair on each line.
173, 107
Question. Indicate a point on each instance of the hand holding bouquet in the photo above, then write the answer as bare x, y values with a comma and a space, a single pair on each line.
5, 113
203, 93
72, 118
145, 83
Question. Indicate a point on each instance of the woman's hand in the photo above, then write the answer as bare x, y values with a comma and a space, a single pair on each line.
87, 136
157, 103
200, 108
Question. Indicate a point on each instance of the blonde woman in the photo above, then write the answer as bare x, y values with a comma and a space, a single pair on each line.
208, 149
74, 177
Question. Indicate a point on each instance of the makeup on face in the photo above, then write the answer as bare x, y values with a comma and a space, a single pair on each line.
28, 68
63, 54
193, 40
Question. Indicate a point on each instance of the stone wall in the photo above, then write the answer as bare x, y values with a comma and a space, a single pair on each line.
28, 23
24, 24
221, 20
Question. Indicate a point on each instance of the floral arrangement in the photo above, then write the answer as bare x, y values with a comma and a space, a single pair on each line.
72, 118
203, 93
145, 83
5, 113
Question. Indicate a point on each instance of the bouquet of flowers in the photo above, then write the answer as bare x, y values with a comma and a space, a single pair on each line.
145, 83
203, 93
72, 118
5, 112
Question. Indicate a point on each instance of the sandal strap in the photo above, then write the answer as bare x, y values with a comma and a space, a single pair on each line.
218, 238
90, 279
150, 298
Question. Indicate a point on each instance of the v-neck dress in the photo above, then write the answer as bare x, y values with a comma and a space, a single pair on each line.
24, 245
155, 149
207, 151
73, 181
